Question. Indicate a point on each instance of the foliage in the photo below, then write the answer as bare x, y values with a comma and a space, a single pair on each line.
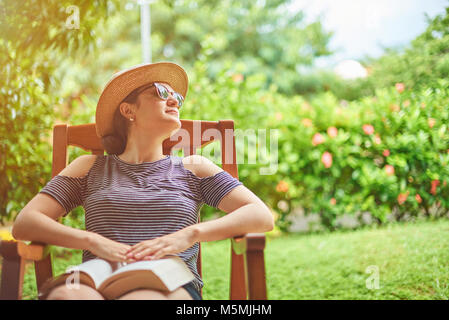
319, 81
384, 154
34, 39
381, 154
267, 36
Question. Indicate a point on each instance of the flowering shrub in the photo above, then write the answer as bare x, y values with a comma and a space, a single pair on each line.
383, 154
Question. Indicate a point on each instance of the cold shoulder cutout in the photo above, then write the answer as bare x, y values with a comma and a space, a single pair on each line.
79, 167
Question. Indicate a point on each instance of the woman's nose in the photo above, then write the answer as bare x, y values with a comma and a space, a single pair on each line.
172, 101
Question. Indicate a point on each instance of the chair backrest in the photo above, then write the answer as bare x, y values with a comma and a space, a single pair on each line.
192, 135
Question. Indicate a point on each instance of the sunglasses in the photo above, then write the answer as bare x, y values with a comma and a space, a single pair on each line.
164, 93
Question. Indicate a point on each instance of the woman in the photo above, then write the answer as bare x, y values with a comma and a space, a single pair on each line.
139, 203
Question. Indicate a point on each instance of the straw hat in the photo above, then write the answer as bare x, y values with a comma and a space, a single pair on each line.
125, 81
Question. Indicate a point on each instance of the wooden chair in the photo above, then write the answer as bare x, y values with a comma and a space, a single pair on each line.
247, 251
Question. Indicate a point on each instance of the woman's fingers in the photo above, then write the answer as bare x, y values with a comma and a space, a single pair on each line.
137, 248
121, 252
144, 250
161, 253
159, 247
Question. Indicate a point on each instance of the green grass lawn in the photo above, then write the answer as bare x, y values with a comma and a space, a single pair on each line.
411, 260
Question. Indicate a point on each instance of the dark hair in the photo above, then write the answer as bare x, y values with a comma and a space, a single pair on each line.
115, 143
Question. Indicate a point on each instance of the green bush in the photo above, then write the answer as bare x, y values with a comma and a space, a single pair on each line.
34, 40
399, 167
390, 155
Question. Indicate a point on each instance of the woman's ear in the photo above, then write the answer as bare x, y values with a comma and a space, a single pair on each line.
127, 110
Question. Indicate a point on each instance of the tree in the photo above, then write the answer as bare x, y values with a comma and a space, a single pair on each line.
35, 37
262, 36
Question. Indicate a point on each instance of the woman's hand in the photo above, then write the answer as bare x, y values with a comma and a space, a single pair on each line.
159, 247
107, 249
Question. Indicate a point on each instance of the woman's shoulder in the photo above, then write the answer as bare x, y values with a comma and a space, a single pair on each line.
200, 166
80, 166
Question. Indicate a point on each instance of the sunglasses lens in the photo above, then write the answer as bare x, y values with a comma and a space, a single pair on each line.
162, 91
179, 98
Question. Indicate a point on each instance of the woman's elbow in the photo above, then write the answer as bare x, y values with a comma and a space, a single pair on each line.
270, 224
268, 220
18, 228
16, 232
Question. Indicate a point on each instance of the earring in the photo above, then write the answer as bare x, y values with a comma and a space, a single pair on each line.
131, 119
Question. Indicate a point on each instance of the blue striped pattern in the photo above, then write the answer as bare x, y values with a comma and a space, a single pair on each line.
130, 203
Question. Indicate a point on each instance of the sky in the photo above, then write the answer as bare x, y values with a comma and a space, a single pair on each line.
363, 27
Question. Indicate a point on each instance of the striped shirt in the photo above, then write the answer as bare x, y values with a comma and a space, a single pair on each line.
130, 203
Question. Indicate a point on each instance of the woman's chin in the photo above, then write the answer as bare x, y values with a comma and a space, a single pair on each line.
174, 118
175, 124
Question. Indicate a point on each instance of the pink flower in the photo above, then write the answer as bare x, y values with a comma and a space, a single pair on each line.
431, 122
368, 129
406, 103
306, 122
278, 116
317, 139
386, 153
389, 169
333, 201
418, 198
402, 197
326, 159
400, 87
332, 132
433, 186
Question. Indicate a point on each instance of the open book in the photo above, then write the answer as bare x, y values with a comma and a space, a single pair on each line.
113, 279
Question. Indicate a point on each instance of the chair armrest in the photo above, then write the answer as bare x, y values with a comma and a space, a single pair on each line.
34, 251
248, 242
40, 254
251, 246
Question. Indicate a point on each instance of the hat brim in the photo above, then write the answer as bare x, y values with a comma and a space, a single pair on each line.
124, 82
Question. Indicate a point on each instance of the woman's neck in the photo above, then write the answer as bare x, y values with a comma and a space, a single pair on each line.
143, 149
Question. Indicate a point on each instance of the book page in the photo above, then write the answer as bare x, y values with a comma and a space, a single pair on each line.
173, 275
97, 269
171, 271
140, 265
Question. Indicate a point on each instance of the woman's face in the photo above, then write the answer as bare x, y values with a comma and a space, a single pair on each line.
155, 113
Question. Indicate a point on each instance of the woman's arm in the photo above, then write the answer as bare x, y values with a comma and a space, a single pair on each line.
37, 221
246, 213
